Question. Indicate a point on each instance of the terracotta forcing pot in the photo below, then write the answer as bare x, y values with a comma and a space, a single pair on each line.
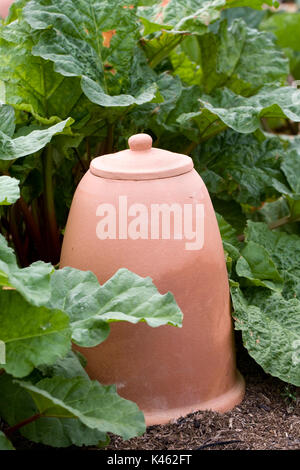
148, 210
4, 7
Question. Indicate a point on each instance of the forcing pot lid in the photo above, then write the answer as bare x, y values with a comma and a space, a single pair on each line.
141, 162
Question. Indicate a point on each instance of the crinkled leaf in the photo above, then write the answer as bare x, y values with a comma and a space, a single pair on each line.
7, 120
184, 101
232, 213
32, 282
12, 148
239, 167
240, 58
192, 15
154, 116
9, 190
228, 233
32, 85
283, 249
124, 297
17, 405
71, 36
97, 95
72, 365
230, 242
271, 330
291, 168
189, 71
256, 266
270, 212
96, 406
252, 17
241, 113
5, 444
158, 48
32, 335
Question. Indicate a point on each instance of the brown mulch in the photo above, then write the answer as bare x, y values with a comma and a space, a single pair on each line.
267, 419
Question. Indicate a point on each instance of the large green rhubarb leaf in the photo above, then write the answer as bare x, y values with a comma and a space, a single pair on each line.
291, 168
32, 335
286, 27
166, 24
71, 36
240, 113
32, 85
240, 58
192, 15
16, 405
271, 330
124, 297
9, 190
256, 266
32, 282
96, 406
12, 148
284, 251
230, 242
239, 167
7, 120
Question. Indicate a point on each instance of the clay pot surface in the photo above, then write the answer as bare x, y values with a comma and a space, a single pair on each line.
4, 7
167, 371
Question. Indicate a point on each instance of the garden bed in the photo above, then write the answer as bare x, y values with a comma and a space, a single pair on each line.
267, 419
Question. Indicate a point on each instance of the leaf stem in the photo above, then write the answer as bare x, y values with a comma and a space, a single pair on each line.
14, 231
31, 224
284, 220
110, 139
278, 223
17, 426
50, 216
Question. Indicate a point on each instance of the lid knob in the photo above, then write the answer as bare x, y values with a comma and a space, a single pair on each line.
140, 142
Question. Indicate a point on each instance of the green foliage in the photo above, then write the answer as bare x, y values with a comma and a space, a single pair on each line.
9, 190
33, 335
285, 26
5, 444
77, 78
240, 58
265, 293
270, 327
41, 310
125, 297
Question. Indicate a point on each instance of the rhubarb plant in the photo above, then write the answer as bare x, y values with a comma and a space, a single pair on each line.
214, 80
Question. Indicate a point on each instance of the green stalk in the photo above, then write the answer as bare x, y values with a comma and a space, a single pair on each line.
50, 217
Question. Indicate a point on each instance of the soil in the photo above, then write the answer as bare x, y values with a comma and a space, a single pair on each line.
267, 419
